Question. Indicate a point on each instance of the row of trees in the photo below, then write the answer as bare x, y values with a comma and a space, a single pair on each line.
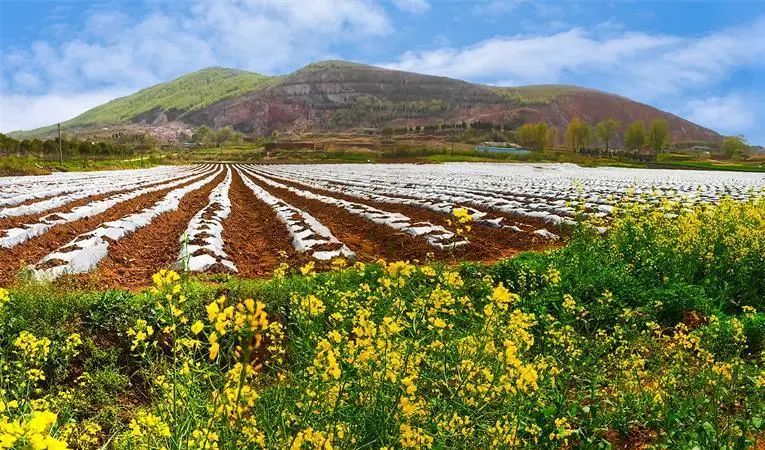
122, 146
580, 136
215, 138
636, 137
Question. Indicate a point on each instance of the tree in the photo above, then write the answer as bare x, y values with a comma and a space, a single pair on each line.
634, 136
578, 134
658, 135
734, 146
533, 135
203, 135
223, 135
606, 131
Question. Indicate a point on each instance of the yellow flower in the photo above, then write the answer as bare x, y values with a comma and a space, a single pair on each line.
312, 305
197, 327
503, 297
569, 304
41, 421
4, 297
31, 347
308, 268
212, 311
413, 437
214, 346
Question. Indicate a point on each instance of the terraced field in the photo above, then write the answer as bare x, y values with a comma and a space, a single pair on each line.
117, 228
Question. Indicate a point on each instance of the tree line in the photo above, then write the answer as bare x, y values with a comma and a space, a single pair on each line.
636, 137
122, 145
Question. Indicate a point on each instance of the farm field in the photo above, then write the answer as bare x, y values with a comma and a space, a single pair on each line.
117, 228
454, 306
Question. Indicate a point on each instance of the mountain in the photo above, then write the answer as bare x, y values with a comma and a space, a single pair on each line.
339, 95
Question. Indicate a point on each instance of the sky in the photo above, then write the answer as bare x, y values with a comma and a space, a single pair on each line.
702, 60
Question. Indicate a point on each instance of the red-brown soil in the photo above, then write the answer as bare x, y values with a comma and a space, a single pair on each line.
132, 261
255, 239
486, 243
11, 222
15, 259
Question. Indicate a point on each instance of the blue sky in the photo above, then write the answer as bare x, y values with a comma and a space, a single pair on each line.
701, 60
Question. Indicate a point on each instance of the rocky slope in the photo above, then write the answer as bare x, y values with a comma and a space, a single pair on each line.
337, 96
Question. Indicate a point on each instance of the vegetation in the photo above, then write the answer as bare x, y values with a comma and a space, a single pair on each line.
536, 94
175, 98
535, 136
734, 146
658, 135
606, 130
578, 134
634, 136
652, 334
36, 157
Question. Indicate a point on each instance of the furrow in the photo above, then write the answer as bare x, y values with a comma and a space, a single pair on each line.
202, 243
308, 234
435, 235
84, 252
18, 235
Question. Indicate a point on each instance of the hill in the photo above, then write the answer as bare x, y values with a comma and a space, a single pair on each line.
339, 95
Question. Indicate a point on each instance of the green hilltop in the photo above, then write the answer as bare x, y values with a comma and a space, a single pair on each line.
178, 97
188, 93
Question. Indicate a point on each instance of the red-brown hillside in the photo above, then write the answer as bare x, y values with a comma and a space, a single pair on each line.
338, 96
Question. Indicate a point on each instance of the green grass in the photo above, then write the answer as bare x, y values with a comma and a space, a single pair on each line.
13, 166
536, 94
183, 95
710, 165
652, 334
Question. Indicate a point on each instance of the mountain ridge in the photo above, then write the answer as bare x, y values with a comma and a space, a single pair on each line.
336, 95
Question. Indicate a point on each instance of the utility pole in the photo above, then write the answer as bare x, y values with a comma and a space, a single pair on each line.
60, 152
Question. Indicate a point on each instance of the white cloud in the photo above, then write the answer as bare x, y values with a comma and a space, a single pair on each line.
119, 53
729, 114
21, 112
412, 6
644, 65
263, 35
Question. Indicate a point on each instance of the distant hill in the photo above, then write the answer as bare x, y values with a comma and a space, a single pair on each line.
339, 95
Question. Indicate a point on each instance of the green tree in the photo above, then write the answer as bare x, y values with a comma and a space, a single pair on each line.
634, 136
734, 146
578, 134
606, 130
203, 135
223, 136
658, 135
533, 135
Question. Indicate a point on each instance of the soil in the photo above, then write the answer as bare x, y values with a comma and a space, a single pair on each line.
12, 222
255, 239
132, 261
486, 243
15, 259
368, 240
